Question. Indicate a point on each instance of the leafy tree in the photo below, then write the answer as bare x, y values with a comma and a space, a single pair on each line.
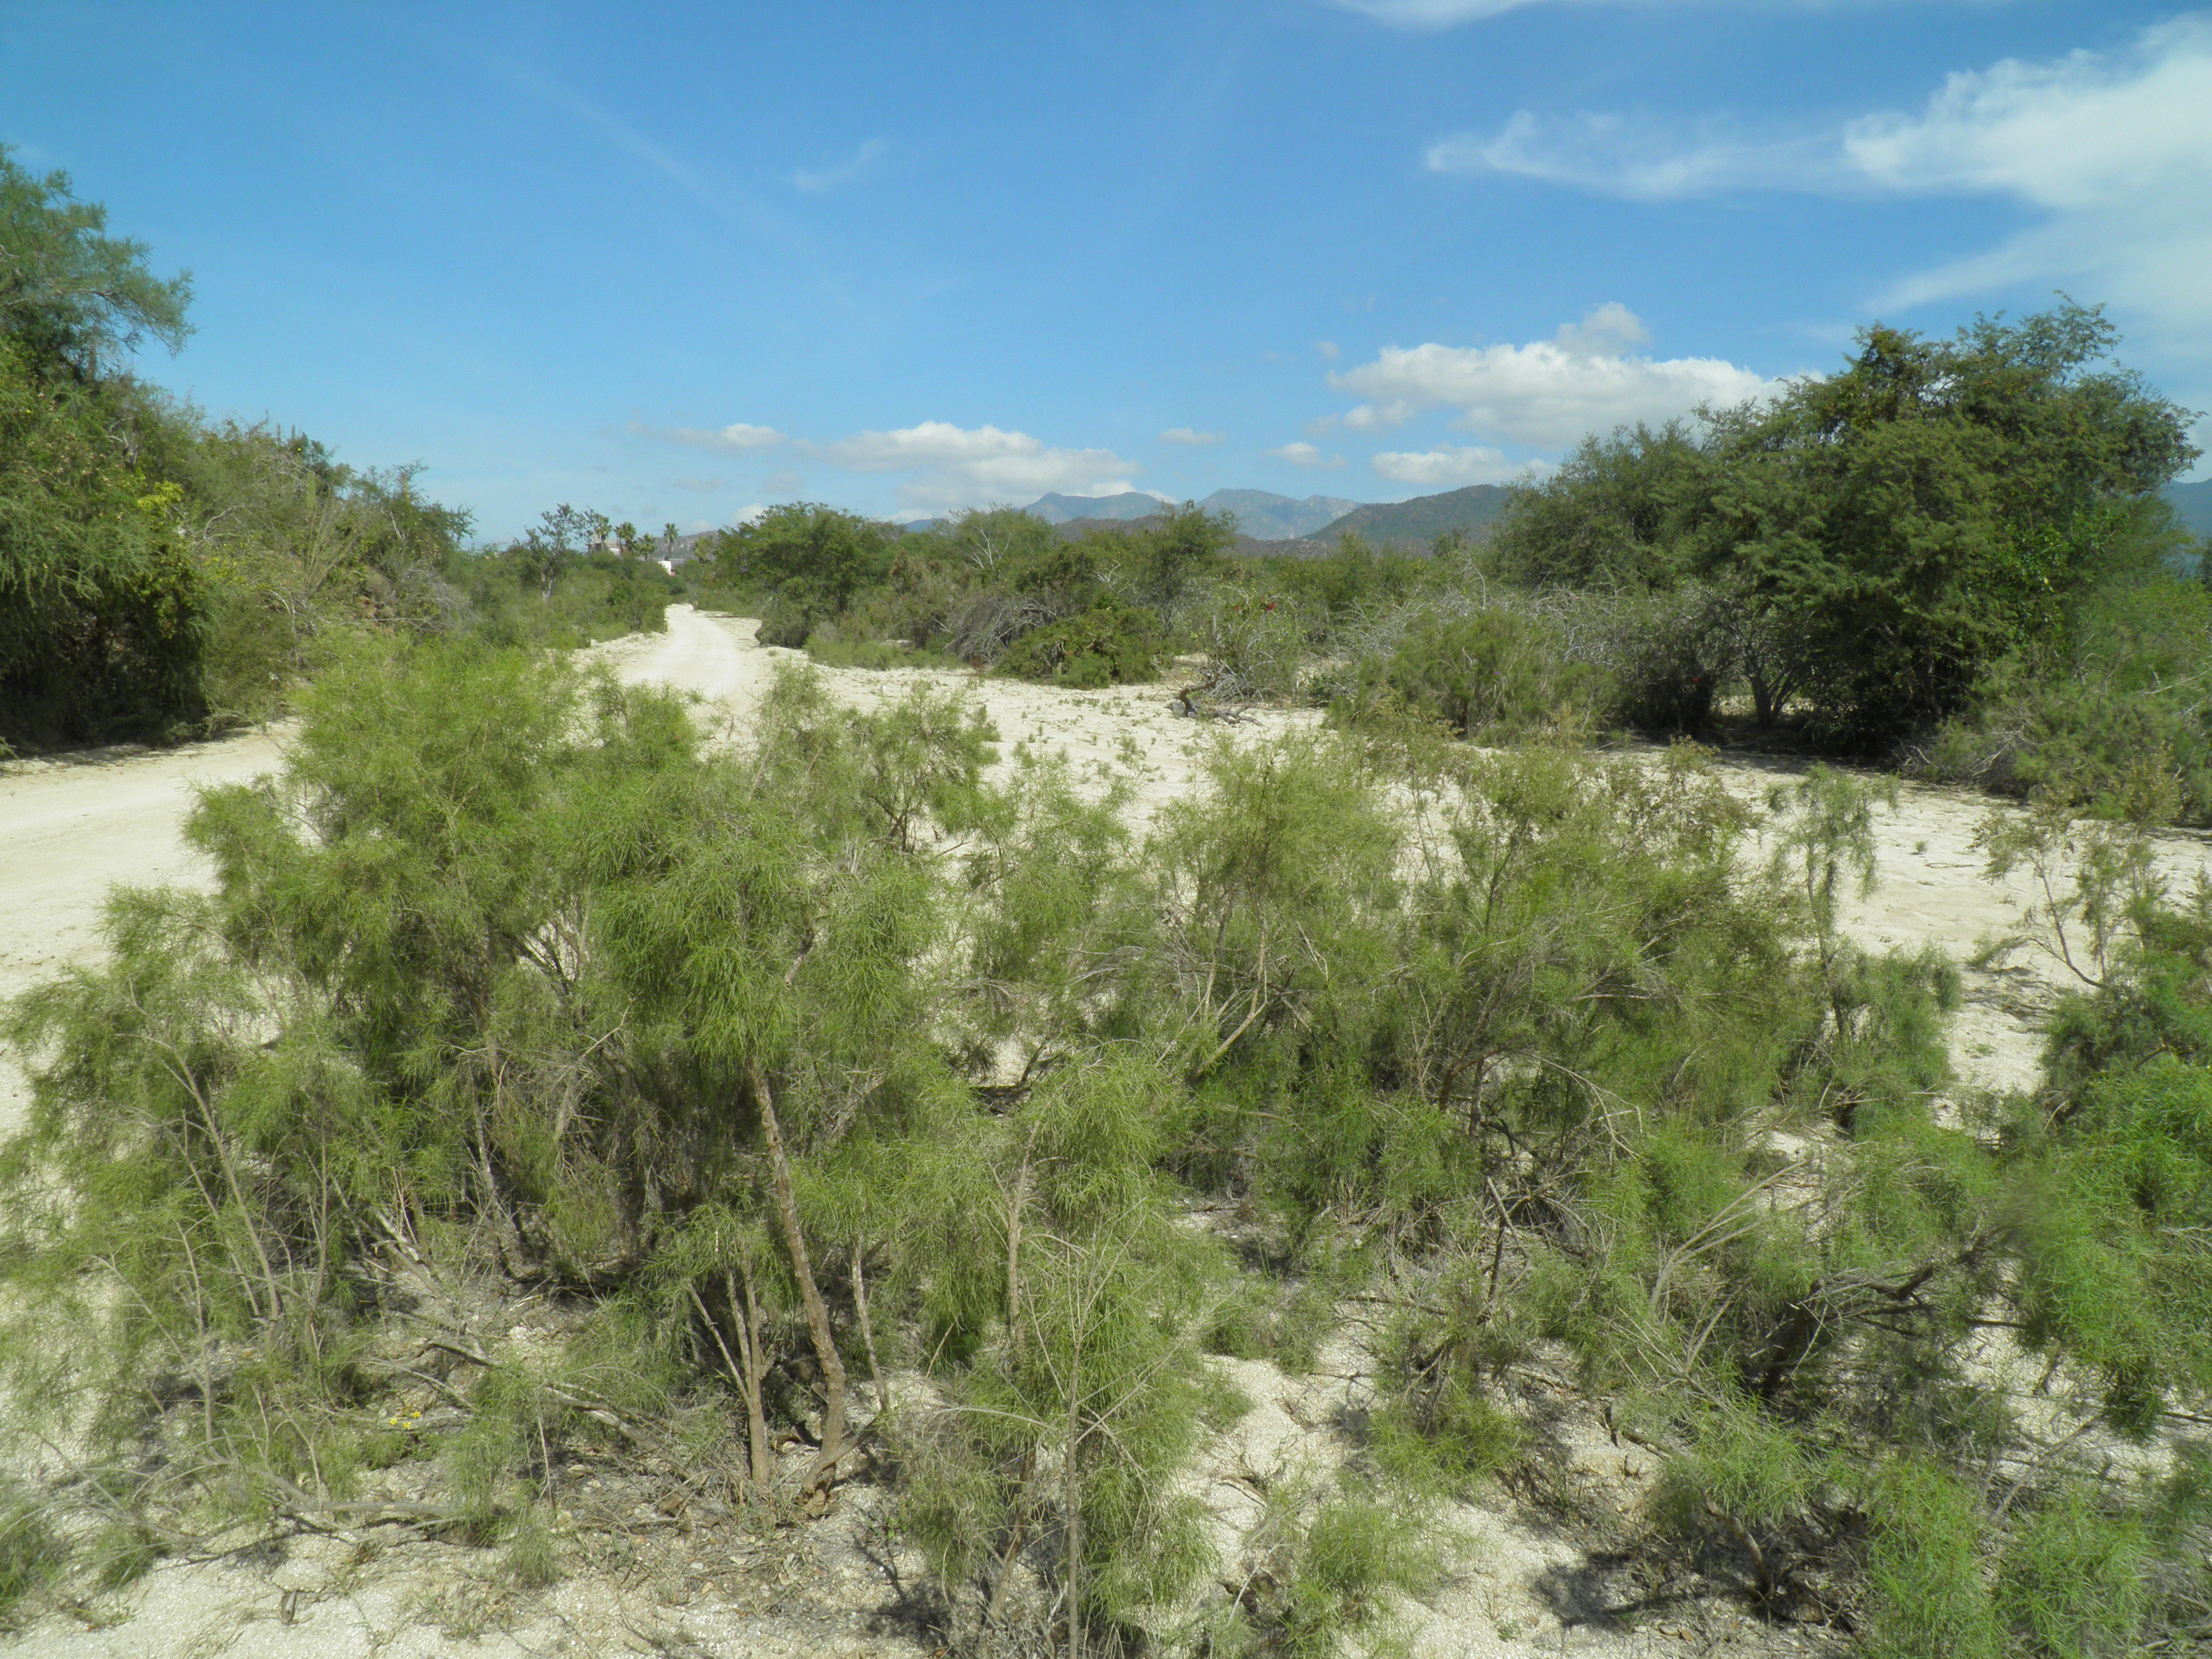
1877, 540
1187, 542
71, 294
996, 542
1611, 517
103, 613
1936, 505
810, 556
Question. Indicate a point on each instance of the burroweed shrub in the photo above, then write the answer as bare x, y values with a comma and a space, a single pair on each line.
1493, 675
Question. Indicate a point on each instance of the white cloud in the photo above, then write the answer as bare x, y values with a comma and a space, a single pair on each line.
1183, 434
1452, 465
857, 166
951, 467
1329, 348
750, 515
1605, 331
1431, 14
1378, 417
1641, 160
1305, 455
736, 436
2112, 150
1549, 392
1428, 15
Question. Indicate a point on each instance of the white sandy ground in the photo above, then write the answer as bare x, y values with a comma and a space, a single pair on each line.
70, 828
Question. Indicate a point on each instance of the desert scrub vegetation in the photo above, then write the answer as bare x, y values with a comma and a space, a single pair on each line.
998, 589
552, 1081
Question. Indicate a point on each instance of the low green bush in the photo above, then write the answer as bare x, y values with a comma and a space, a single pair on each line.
1491, 676
2129, 691
833, 645
1107, 644
32, 1554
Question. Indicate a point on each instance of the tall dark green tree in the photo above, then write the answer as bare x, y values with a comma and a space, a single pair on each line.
1937, 504
100, 612
1610, 517
830, 552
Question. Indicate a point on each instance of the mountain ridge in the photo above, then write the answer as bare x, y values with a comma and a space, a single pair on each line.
1261, 514
1418, 521
2192, 504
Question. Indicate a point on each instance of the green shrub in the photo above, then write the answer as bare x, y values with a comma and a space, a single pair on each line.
796, 610
1491, 676
1667, 654
1328, 1570
1442, 1440
1928, 1593
2074, 1583
1107, 644
2121, 694
1348, 583
32, 1554
836, 645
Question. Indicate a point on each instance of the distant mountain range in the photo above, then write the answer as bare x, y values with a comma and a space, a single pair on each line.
1261, 514
1418, 522
1130, 504
1322, 520
2193, 503
1269, 518
1316, 523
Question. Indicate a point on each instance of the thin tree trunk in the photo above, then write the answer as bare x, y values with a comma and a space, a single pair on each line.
1017, 1206
741, 1372
868, 1330
1071, 1501
1015, 1537
755, 1363
810, 1294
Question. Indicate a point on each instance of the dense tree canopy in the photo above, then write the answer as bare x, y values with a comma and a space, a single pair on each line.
1892, 528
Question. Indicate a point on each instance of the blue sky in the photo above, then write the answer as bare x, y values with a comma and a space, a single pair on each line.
677, 261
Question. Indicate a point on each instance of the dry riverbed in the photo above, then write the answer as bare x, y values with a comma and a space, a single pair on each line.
1528, 1577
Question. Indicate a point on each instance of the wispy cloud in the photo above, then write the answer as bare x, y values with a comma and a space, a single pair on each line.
704, 486
716, 195
2111, 150
949, 466
857, 166
1327, 348
1552, 392
1427, 17
945, 466
1305, 455
1643, 159
1184, 434
1453, 466
737, 436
